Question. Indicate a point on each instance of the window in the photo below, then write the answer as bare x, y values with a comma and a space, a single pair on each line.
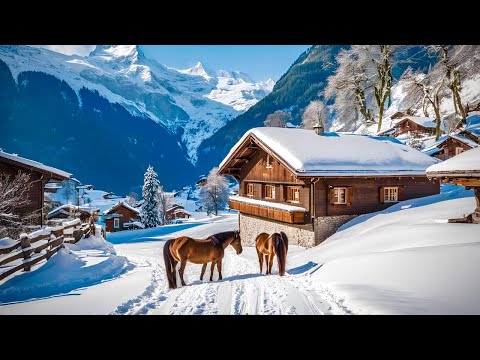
458, 150
116, 223
269, 192
269, 163
293, 194
340, 195
250, 190
390, 194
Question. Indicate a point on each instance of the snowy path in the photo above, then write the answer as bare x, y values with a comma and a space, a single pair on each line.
242, 291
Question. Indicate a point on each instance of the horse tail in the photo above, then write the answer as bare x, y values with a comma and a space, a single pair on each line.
168, 258
281, 252
285, 240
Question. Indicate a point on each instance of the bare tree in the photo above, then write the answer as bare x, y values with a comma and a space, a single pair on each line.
131, 201
456, 63
428, 90
315, 113
378, 61
164, 202
214, 193
14, 196
278, 119
349, 87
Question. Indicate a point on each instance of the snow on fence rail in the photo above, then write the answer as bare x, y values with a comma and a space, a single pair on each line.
39, 245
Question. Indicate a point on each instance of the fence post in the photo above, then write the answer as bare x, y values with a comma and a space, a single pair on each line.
26, 250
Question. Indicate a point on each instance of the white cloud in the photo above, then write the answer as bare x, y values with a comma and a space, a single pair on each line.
82, 50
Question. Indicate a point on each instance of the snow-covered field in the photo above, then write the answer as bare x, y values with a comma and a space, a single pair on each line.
404, 260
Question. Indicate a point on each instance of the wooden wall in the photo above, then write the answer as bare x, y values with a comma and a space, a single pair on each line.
366, 193
127, 216
408, 125
449, 146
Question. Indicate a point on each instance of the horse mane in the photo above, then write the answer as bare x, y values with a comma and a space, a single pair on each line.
220, 238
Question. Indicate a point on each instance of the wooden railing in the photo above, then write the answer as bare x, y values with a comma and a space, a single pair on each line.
39, 245
273, 214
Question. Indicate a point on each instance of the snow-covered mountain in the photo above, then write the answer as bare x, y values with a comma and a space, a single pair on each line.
189, 102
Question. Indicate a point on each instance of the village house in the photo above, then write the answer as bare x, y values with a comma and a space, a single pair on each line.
416, 126
177, 212
463, 170
40, 174
307, 184
451, 145
120, 217
69, 211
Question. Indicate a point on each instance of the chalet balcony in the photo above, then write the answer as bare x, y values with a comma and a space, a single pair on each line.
269, 210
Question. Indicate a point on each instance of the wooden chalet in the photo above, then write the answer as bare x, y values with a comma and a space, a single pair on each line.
307, 185
177, 212
463, 170
451, 145
120, 217
414, 125
40, 175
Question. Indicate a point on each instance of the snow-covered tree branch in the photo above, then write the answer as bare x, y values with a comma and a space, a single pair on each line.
315, 113
164, 202
278, 119
14, 196
214, 193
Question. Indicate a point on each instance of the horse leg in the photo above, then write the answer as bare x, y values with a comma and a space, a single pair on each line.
211, 270
266, 264
260, 260
270, 263
181, 270
174, 273
204, 267
219, 268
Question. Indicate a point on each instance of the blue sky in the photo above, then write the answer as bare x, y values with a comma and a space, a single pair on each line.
261, 62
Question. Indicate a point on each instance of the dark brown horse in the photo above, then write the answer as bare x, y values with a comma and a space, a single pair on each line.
270, 245
185, 249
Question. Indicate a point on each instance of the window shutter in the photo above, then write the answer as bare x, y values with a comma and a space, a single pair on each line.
349, 196
282, 193
242, 188
331, 195
401, 193
382, 195
262, 190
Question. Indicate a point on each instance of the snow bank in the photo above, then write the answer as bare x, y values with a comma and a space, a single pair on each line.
90, 261
409, 261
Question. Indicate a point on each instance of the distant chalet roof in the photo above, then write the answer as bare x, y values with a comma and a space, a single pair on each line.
333, 155
388, 125
466, 164
68, 208
35, 165
113, 208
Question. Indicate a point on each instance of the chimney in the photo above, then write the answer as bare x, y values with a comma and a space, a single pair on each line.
318, 128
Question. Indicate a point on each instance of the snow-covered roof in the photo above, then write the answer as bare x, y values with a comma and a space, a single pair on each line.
267, 204
173, 207
122, 203
465, 164
136, 223
65, 209
35, 164
422, 121
309, 154
182, 211
473, 124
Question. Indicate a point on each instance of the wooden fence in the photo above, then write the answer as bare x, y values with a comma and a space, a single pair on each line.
39, 245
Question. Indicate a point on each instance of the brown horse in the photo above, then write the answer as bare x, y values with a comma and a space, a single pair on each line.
269, 246
197, 251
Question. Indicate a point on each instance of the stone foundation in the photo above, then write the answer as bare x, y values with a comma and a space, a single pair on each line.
307, 235
326, 226
250, 226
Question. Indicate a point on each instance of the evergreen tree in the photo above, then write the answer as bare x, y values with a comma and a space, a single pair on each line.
149, 213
